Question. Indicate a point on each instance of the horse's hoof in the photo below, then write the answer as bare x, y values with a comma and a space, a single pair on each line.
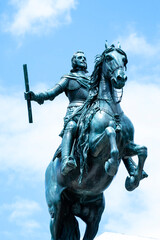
130, 183
68, 165
110, 168
144, 175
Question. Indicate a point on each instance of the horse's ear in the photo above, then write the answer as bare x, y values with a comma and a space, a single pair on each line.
106, 44
119, 45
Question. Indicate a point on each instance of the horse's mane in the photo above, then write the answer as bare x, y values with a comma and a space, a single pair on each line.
90, 107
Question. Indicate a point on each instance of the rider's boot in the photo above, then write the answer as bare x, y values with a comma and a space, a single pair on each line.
68, 162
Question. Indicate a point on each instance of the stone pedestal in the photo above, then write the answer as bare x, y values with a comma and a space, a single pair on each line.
118, 236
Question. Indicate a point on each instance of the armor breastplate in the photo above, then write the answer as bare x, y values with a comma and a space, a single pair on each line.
78, 94
77, 88
73, 85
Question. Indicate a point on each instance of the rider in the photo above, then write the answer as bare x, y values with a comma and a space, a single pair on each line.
76, 87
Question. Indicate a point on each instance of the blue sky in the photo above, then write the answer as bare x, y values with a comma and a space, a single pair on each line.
45, 34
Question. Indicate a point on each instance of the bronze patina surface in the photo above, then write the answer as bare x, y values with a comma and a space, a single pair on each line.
97, 136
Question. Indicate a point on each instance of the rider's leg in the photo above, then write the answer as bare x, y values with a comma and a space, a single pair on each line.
68, 161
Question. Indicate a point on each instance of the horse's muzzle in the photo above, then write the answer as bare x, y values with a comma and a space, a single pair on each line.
119, 82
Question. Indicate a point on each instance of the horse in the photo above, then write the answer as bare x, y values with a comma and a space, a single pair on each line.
105, 136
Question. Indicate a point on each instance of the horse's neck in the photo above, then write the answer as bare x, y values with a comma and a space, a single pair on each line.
105, 90
107, 95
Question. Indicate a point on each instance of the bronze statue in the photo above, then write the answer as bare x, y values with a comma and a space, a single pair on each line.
97, 135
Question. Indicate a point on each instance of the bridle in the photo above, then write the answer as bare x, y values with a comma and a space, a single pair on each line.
116, 68
111, 72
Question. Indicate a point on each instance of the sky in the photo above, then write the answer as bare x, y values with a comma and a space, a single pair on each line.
44, 34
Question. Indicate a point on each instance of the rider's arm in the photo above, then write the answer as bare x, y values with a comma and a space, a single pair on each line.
49, 94
55, 91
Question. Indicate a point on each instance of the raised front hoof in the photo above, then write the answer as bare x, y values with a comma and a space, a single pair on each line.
131, 184
68, 165
111, 168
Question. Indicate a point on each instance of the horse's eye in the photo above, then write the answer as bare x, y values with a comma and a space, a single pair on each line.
124, 60
108, 58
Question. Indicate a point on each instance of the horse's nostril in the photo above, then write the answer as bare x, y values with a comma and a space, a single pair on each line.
122, 78
119, 77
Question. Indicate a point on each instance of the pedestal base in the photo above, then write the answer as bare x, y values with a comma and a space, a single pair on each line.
118, 236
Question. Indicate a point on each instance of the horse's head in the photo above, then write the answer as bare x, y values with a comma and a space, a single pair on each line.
114, 66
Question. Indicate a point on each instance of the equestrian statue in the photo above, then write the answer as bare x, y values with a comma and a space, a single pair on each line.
96, 137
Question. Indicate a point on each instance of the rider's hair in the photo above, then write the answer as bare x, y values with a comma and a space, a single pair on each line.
74, 65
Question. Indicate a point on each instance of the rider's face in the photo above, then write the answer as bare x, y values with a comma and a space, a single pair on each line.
81, 60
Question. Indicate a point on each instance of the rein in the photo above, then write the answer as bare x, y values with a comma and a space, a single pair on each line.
114, 115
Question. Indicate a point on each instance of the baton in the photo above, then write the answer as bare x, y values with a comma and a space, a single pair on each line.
27, 90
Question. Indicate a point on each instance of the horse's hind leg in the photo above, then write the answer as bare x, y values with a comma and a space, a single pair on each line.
91, 214
70, 228
64, 225
91, 228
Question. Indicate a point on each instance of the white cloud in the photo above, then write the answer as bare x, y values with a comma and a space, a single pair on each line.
143, 55
22, 209
21, 212
138, 45
24, 146
38, 16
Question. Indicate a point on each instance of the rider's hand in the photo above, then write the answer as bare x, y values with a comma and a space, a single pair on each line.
34, 97
30, 96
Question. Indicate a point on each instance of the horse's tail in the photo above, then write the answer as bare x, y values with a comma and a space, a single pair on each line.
61, 226
53, 190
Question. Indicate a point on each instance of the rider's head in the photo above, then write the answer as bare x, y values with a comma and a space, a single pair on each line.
79, 62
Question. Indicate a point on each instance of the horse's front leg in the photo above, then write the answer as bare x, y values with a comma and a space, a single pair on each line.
133, 149
105, 141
